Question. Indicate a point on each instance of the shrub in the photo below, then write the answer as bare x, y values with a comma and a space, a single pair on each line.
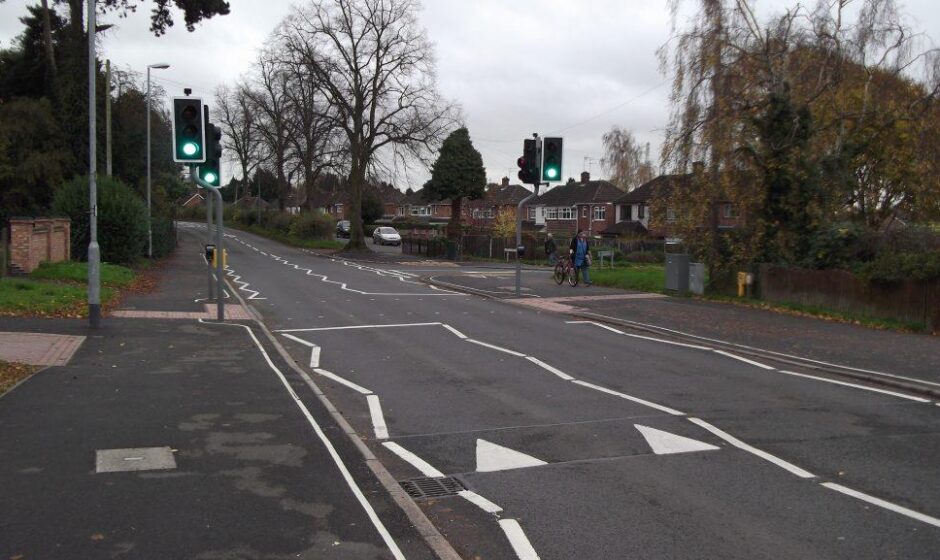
122, 219
164, 236
889, 268
646, 257
245, 217
312, 225
276, 220
839, 245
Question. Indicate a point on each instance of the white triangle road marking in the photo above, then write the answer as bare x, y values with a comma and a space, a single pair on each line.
664, 443
492, 457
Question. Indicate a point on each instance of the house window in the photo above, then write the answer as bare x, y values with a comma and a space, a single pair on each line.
401, 210
530, 212
727, 211
566, 213
551, 213
670, 215
599, 213
420, 210
488, 213
640, 211
476, 213
584, 211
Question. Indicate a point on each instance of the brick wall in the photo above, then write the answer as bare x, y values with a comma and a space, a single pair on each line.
33, 241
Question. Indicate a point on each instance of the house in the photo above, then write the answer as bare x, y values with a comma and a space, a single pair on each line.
587, 205
414, 207
197, 199
498, 198
336, 202
633, 209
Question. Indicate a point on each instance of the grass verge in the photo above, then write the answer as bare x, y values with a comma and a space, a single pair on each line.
288, 239
11, 374
640, 277
70, 271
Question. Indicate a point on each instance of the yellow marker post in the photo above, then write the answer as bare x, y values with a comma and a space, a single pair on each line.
224, 257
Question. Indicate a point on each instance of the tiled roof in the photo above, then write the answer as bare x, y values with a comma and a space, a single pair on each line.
580, 193
661, 186
499, 195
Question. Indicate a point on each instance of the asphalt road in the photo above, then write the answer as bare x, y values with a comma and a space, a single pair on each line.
578, 441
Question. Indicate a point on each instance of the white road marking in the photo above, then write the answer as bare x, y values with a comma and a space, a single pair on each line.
314, 349
857, 386
520, 543
378, 420
883, 504
640, 336
346, 382
349, 327
793, 469
492, 457
479, 501
664, 443
417, 462
379, 526
781, 354
494, 347
637, 400
550, 368
457, 333
743, 359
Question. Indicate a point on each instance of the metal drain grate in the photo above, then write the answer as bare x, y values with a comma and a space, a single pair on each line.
426, 487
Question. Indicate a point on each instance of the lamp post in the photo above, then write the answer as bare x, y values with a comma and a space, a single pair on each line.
158, 66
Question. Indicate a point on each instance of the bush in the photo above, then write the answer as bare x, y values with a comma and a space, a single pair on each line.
245, 217
122, 219
839, 245
646, 257
312, 225
889, 268
276, 220
164, 236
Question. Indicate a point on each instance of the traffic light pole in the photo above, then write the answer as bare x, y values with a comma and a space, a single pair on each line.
219, 249
94, 251
519, 247
209, 242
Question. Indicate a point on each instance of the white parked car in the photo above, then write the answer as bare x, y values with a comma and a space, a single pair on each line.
386, 236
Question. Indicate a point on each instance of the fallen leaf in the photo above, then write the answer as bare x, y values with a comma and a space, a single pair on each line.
97, 537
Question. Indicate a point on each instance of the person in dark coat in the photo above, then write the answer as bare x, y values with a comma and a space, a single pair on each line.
580, 251
551, 250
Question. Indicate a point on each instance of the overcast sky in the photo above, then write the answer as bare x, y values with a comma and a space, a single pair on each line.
571, 68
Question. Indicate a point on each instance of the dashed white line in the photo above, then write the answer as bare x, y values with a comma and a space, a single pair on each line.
857, 386
743, 359
497, 348
417, 462
637, 400
520, 543
550, 368
793, 469
479, 501
378, 419
456, 333
883, 504
348, 383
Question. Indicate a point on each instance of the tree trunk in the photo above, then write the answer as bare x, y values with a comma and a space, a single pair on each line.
455, 217
357, 177
47, 39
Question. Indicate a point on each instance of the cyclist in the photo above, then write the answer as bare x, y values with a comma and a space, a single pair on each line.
580, 251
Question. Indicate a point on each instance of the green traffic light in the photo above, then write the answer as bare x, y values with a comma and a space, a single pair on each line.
210, 177
190, 148
551, 172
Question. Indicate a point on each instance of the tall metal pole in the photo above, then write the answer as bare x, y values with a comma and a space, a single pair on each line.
149, 226
538, 150
209, 241
107, 117
219, 248
94, 252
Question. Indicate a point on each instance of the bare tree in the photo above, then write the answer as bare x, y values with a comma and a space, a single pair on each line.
268, 96
627, 162
240, 126
375, 66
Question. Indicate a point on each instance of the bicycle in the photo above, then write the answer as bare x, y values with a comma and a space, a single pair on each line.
564, 269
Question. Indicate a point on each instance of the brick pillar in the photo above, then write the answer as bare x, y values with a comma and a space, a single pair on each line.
67, 226
21, 233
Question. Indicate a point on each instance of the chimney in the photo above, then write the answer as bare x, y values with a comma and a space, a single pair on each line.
505, 182
585, 177
698, 167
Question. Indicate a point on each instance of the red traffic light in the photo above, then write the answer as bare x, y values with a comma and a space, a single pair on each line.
521, 162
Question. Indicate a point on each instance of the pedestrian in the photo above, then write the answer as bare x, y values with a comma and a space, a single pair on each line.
551, 250
580, 251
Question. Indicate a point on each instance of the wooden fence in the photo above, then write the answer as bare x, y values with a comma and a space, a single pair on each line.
910, 301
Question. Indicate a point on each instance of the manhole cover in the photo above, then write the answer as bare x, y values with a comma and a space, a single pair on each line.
426, 487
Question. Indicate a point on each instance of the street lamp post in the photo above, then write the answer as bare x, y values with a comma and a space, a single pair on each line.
158, 66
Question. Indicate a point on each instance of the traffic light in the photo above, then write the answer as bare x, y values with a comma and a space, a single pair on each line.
210, 171
529, 162
189, 137
551, 159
